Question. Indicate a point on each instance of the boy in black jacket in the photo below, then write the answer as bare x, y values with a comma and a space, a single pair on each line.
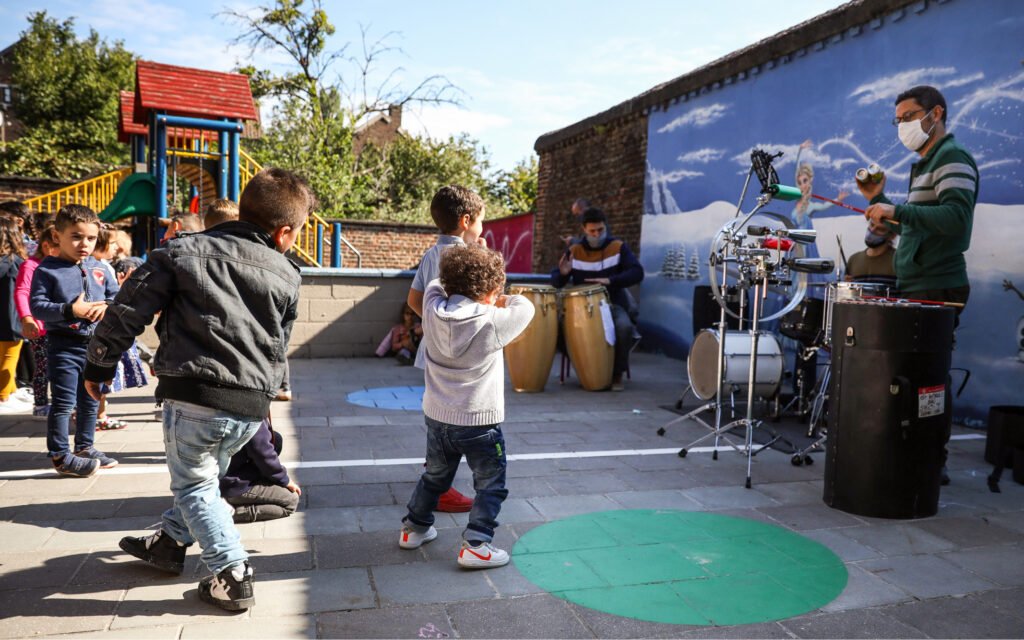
70, 292
227, 299
256, 483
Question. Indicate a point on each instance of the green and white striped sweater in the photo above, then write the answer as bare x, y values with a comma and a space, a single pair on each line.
935, 223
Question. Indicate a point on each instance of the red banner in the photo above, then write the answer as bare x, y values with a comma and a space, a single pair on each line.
513, 237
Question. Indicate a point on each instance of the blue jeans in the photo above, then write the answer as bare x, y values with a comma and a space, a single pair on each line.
484, 448
199, 442
65, 365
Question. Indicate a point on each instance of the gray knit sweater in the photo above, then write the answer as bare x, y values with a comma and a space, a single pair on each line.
465, 368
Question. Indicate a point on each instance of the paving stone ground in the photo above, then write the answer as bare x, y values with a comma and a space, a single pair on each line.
334, 569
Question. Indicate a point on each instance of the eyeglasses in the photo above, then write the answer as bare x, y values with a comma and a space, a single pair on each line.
906, 117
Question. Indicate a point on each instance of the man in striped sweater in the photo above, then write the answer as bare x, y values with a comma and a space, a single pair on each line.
935, 222
601, 259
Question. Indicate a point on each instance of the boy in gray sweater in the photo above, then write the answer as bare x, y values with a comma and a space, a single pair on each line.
466, 324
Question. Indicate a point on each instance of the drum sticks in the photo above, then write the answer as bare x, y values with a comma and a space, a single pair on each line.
844, 205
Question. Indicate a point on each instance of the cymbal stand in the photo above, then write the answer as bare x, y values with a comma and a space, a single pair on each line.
716, 404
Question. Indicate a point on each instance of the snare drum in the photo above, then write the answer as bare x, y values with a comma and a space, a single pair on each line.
530, 355
702, 365
849, 292
589, 351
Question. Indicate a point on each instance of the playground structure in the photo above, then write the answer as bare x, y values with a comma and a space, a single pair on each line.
183, 124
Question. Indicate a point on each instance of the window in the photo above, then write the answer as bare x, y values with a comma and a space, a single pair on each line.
5, 94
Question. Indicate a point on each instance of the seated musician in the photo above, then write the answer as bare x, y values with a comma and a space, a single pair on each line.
874, 264
602, 259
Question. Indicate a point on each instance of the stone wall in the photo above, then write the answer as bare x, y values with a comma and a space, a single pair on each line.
604, 164
385, 245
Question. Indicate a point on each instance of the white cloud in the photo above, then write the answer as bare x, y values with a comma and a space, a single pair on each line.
886, 88
441, 121
702, 156
670, 177
699, 117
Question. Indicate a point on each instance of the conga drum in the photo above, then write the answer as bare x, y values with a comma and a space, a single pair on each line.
530, 355
589, 351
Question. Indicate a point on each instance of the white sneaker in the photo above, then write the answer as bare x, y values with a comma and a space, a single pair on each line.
25, 394
409, 539
13, 406
483, 556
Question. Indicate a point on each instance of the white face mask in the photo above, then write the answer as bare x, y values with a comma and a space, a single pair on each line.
598, 241
912, 134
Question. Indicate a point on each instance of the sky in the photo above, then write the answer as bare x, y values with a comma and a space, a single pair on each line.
524, 68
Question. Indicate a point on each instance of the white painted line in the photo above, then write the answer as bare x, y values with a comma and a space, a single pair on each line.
390, 462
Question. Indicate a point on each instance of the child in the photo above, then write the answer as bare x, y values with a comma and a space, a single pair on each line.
227, 300
220, 210
256, 483
458, 213
466, 325
12, 255
404, 338
182, 223
70, 293
31, 328
106, 248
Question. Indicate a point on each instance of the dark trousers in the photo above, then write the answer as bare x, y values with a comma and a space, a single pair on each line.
41, 381
624, 330
263, 502
484, 448
26, 370
65, 365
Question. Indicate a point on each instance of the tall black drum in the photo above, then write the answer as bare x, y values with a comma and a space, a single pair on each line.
890, 409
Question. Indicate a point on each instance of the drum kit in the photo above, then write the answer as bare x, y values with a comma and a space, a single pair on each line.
755, 260
584, 313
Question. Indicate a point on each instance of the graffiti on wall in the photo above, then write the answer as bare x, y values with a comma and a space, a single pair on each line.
513, 238
829, 112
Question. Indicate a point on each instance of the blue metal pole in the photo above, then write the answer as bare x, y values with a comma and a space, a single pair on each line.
233, 167
160, 159
201, 123
336, 245
319, 245
222, 165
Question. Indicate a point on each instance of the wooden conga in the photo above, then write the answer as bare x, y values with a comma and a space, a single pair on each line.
530, 355
591, 355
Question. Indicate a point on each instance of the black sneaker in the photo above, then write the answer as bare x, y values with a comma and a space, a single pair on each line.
160, 550
227, 591
75, 467
106, 462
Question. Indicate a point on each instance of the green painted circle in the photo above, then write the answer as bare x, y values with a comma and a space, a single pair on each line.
680, 567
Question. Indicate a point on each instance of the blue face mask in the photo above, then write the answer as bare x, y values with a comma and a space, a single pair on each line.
594, 243
872, 240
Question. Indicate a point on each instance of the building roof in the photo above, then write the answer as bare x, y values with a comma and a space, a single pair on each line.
811, 32
127, 125
195, 93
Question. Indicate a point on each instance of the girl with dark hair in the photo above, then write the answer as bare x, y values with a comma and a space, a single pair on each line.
12, 255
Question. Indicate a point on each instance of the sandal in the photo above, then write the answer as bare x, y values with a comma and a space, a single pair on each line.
110, 424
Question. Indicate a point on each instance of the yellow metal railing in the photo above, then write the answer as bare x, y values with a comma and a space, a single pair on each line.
95, 193
315, 227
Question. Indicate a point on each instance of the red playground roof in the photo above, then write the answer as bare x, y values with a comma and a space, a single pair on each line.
194, 93
127, 126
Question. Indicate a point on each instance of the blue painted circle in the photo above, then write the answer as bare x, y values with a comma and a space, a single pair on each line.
398, 398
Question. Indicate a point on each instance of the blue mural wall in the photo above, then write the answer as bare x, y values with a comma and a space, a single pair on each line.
831, 107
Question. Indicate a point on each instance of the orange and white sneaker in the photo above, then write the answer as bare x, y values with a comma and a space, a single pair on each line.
481, 556
410, 539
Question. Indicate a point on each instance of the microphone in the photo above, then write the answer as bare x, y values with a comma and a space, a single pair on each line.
810, 265
782, 192
759, 231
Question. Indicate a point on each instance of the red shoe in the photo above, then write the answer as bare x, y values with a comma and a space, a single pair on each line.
454, 502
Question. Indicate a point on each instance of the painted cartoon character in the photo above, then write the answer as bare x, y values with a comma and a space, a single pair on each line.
1008, 286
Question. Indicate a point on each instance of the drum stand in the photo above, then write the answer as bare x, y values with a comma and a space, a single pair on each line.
803, 456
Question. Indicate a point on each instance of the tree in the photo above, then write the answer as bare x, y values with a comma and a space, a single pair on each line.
68, 100
516, 190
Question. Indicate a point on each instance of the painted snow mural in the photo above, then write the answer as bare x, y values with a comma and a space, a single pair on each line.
831, 108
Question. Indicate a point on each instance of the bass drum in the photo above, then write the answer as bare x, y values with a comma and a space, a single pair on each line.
702, 365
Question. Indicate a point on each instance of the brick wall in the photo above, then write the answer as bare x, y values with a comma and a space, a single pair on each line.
386, 245
22, 188
605, 165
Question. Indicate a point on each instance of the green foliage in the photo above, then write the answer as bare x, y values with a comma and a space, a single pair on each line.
517, 189
68, 100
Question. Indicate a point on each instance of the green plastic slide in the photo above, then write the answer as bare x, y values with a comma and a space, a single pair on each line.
135, 197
